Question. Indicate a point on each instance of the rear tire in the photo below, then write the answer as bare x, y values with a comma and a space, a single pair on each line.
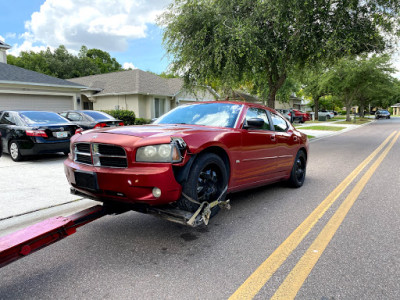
206, 181
298, 174
14, 151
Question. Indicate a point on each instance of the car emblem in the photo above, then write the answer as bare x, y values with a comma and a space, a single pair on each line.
95, 136
62, 129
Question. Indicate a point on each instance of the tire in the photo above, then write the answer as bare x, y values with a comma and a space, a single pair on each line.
13, 149
206, 181
298, 173
66, 153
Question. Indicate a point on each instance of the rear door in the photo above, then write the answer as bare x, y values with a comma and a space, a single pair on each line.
7, 128
286, 143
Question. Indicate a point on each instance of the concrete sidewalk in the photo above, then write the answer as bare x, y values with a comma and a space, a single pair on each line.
319, 134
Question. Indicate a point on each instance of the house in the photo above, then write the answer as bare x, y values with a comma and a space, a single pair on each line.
3, 52
396, 109
147, 94
28, 90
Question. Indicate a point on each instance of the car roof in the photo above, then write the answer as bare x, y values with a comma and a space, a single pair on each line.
249, 104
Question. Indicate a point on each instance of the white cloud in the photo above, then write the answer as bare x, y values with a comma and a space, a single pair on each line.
100, 24
128, 65
2, 39
26, 46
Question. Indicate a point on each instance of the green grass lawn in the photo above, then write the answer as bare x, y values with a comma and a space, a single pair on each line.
310, 136
328, 128
358, 121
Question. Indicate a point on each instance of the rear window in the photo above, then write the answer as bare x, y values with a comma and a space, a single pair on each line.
42, 117
98, 115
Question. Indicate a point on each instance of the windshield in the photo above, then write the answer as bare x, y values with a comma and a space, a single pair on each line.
42, 117
210, 114
97, 115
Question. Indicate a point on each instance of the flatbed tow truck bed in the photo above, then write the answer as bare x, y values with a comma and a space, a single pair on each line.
35, 237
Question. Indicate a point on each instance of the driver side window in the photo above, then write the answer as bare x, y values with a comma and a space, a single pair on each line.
258, 113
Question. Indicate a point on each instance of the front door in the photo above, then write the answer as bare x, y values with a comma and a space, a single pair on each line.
258, 158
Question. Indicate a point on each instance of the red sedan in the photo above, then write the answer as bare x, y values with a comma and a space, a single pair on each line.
299, 113
193, 154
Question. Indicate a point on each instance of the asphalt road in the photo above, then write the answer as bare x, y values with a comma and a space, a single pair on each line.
337, 237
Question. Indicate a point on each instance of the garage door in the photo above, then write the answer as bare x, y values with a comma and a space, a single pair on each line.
35, 102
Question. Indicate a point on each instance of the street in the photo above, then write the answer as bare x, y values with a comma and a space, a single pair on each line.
337, 237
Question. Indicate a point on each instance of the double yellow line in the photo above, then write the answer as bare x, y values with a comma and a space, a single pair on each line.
300, 272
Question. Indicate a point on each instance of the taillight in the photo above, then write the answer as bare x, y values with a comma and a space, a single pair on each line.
121, 124
289, 114
78, 130
40, 133
99, 125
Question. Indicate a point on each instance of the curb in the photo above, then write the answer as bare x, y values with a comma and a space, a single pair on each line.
333, 133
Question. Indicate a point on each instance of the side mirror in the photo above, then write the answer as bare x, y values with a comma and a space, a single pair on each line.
254, 123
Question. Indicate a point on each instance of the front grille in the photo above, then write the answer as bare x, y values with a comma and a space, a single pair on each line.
111, 150
119, 162
100, 155
86, 159
83, 147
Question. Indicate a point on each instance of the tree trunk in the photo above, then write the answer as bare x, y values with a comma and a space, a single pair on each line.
316, 108
348, 109
362, 108
271, 99
275, 82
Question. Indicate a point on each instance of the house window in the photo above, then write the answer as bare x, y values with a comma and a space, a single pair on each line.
159, 107
87, 105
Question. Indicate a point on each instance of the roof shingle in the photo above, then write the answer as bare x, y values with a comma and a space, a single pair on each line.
131, 82
14, 74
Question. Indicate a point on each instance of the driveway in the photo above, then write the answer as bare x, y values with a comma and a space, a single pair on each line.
33, 187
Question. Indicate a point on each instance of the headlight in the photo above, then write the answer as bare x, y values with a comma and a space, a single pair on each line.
159, 153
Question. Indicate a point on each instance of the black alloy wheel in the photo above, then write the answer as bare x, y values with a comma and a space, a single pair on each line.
298, 174
206, 182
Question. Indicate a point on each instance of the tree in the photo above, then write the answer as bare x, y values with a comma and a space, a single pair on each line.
62, 64
103, 60
238, 41
360, 81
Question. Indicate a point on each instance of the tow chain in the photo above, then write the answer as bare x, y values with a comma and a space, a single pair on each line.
205, 207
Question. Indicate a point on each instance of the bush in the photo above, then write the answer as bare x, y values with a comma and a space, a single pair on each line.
142, 121
342, 112
127, 116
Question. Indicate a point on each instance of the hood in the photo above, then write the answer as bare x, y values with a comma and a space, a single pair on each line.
159, 130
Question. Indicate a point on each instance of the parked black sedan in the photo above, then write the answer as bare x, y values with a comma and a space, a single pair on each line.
34, 132
382, 113
88, 119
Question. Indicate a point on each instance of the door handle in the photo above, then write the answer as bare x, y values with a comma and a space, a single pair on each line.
273, 138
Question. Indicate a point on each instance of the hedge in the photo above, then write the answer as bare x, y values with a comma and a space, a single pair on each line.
127, 116
142, 121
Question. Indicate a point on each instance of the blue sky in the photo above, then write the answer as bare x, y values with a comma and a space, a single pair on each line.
124, 28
